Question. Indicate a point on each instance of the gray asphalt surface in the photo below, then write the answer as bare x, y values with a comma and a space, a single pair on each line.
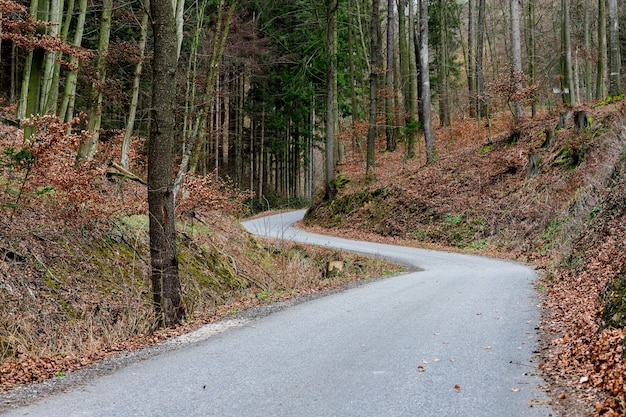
454, 339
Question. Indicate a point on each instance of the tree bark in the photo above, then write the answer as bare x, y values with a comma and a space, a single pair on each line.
389, 100
471, 61
331, 97
429, 134
516, 55
164, 263
374, 73
567, 47
481, 107
614, 49
602, 57
89, 147
69, 96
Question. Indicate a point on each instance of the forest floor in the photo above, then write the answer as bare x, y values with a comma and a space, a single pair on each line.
74, 259
568, 218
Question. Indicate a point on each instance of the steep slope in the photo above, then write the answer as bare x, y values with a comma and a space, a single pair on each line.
552, 196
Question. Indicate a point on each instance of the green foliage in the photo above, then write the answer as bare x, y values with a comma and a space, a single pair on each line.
488, 147
609, 100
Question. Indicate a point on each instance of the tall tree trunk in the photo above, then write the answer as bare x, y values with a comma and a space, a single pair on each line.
429, 134
331, 97
567, 49
481, 107
445, 117
389, 101
67, 104
516, 55
89, 147
134, 100
587, 40
164, 264
55, 18
23, 104
354, 108
374, 73
471, 60
532, 53
614, 49
602, 57
412, 123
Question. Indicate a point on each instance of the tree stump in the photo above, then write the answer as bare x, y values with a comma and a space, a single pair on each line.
534, 163
581, 119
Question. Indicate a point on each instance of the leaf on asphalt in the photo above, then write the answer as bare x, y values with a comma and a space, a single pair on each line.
515, 389
457, 387
421, 369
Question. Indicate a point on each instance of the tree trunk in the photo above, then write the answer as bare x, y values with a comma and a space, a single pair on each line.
89, 147
587, 39
22, 108
445, 117
331, 97
471, 61
50, 59
481, 107
374, 73
568, 74
67, 105
532, 52
614, 49
413, 115
516, 55
429, 134
389, 101
136, 83
602, 58
164, 264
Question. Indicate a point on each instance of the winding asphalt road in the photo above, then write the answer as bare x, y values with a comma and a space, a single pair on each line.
455, 338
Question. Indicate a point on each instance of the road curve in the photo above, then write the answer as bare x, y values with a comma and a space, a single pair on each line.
455, 338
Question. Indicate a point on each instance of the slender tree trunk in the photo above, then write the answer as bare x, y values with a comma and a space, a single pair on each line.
614, 49
89, 147
567, 47
331, 97
532, 52
69, 97
429, 134
471, 61
375, 68
602, 57
412, 123
587, 40
481, 107
445, 117
389, 101
22, 110
516, 54
134, 100
50, 59
352, 71
164, 264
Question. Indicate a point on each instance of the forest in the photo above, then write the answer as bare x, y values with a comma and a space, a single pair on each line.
264, 86
242, 106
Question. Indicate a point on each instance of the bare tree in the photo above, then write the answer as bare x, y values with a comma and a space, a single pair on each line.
375, 69
614, 49
516, 55
429, 134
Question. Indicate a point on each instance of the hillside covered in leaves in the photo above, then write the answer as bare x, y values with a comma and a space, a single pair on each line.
74, 257
565, 212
